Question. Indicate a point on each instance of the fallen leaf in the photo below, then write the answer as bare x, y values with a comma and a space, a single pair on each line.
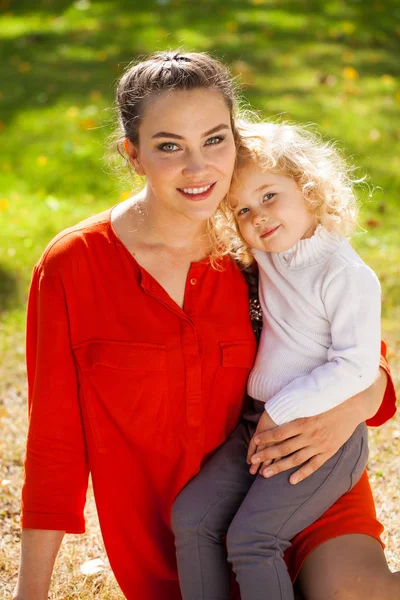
350, 73
327, 79
95, 95
87, 124
348, 27
24, 67
72, 112
91, 567
374, 135
52, 203
348, 56
373, 223
232, 26
387, 79
102, 56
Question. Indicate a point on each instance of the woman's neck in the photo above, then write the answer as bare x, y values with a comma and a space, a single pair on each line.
159, 227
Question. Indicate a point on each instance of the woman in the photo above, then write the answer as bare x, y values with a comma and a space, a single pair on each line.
138, 357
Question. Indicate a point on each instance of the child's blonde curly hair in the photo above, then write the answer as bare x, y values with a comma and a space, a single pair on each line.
317, 166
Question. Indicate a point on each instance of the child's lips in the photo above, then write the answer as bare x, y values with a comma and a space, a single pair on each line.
269, 232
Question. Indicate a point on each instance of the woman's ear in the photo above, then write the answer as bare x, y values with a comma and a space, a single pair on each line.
133, 155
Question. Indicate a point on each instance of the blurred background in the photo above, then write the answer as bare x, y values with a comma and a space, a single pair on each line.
329, 62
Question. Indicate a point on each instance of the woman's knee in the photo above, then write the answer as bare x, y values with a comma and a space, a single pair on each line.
351, 567
376, 587
184, 520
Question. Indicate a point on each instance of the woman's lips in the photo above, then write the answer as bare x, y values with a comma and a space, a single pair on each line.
198, 196
269, 232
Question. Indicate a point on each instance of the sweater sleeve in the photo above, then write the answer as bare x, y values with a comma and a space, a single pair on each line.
56, 471
353, 306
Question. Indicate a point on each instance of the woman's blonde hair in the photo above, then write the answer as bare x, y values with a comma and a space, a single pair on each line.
317, 166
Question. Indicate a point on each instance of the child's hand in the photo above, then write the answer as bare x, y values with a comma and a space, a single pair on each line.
264, 424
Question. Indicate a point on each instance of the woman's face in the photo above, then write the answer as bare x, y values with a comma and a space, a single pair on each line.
187, 152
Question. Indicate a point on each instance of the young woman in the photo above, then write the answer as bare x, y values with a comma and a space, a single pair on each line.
137, 357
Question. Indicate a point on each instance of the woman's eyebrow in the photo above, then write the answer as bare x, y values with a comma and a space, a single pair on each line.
166, 134
215, 129
175, 136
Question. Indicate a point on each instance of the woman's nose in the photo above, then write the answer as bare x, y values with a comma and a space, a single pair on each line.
194, 164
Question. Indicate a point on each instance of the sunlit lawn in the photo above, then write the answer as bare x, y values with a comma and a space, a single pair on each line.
333, 63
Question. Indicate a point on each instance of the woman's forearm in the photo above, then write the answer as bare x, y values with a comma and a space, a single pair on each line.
311, 441
367, 403
39, 548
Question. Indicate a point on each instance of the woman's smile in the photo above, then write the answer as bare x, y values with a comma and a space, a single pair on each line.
199, 192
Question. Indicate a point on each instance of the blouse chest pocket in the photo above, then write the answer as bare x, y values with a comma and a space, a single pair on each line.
229, 390
237, 354
124, 389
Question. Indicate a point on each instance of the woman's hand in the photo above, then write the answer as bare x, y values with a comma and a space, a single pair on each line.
265, 423
311, 441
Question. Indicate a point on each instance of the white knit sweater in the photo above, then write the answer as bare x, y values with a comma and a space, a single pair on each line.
320, 342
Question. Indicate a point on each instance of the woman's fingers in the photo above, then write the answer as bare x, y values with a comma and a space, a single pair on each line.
252, 450
265, 464
276, 451
254, 467
281, 433
310, 462
294, 460
309, 467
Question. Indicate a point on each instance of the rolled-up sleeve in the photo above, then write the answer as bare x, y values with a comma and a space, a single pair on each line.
388, 405
56, 468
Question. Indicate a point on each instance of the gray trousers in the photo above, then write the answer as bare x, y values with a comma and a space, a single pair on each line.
257, 516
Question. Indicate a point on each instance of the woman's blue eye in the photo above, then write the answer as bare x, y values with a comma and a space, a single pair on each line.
217, 139
168, 147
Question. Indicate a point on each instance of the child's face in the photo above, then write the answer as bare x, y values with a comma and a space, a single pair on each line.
270, 209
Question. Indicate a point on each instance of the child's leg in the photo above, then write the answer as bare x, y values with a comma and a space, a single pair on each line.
274, 511
202, 514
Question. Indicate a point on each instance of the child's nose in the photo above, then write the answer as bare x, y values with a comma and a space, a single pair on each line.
259, 217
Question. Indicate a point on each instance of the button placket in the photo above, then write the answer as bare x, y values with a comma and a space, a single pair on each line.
192, 359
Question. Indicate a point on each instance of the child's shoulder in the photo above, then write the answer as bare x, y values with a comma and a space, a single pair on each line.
346, 263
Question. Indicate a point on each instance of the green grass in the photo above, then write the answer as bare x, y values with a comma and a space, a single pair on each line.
330, 62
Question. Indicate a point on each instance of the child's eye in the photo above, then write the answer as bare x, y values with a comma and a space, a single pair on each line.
217, 139
242, 211
168, 147
268, 197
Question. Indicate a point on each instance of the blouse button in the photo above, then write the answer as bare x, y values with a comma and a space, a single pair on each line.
193, 281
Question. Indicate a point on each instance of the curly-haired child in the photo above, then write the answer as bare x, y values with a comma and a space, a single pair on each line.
290, 206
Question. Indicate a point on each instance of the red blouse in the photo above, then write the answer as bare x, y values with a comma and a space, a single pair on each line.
126, 385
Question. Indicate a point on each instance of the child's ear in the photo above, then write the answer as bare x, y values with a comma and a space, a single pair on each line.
133, 155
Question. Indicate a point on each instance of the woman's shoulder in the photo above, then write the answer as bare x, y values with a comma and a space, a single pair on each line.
70, 243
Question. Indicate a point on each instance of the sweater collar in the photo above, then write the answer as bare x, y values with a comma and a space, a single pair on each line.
305, 253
